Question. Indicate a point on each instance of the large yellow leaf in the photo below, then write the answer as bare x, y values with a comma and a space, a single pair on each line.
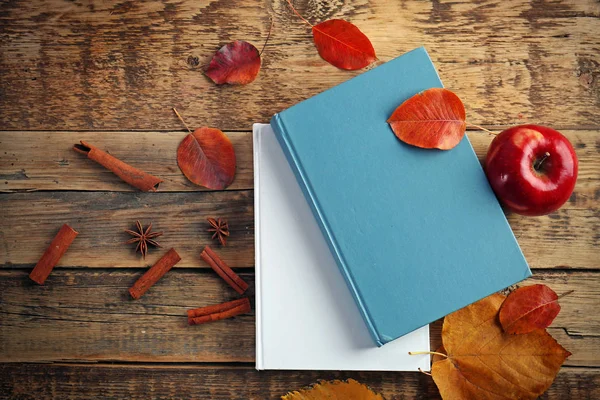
486, 363
334, 390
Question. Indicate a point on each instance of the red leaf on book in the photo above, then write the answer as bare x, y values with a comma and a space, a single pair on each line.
207, 158
235, 63
529, 308
343, 45
434, 118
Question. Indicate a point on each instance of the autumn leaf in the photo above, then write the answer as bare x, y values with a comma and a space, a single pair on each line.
341, 43
485, 363
431, 119
529, 308
334, 390
206, 157
236, 63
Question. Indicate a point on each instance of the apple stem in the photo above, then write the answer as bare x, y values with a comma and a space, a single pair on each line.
181, 119
416, 353
538, 165
483, 129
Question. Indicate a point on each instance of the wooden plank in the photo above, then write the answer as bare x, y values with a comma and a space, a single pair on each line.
31, 160
228, 382
88, 316
566, 238
113, 65
30, 221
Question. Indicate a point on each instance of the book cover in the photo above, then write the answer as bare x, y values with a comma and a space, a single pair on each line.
305, 316
416, 233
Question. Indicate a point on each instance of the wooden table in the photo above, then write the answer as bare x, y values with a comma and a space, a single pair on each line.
109, 72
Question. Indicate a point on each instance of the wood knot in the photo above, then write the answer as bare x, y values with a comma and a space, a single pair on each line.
193, 61
586, 79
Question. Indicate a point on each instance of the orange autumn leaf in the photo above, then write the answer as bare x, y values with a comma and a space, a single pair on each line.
485, 363
529, 308
207, 158
431, 119
341, 43
334, 390
236, 63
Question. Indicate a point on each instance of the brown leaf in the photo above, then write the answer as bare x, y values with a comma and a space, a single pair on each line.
431, 119
486, 363
529, 308
207, 158
334, 390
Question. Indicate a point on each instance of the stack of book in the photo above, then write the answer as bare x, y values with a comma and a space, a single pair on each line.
362, 240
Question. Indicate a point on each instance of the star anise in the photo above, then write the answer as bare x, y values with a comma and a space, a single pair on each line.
220, 229
143, 238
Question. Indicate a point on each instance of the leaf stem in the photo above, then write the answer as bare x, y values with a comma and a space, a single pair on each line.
565, 294
417, 353
268, 36
298, 14
424, 372
181, 119
482, 128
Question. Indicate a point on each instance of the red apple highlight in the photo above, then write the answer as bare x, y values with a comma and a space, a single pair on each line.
532, 169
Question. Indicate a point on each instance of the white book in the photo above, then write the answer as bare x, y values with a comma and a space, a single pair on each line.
306, 317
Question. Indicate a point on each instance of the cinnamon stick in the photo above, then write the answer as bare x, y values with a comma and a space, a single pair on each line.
223, 270
154, 274
53, 253
135, 177
217, 312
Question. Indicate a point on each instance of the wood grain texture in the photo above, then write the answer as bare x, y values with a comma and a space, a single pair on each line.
73, 382
30, 220
567, 238
115, 65
31, 161
88, 316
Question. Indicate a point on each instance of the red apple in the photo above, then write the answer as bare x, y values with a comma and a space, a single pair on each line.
532, 169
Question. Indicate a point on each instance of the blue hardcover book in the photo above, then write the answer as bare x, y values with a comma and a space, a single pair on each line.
416, 233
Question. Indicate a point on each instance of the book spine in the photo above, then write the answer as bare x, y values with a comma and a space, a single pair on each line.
288, 149
257, 252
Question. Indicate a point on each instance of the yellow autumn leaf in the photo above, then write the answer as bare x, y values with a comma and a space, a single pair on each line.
334, 390
485, 363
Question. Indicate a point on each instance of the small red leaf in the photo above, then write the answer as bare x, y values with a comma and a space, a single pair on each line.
343, 45
207, 158
431, 119
235, 63
529, 308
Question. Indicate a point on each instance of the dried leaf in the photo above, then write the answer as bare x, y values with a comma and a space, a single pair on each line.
343, 45
207, 158
486, 363
529, 308
334, 390
431, 119
235, 63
